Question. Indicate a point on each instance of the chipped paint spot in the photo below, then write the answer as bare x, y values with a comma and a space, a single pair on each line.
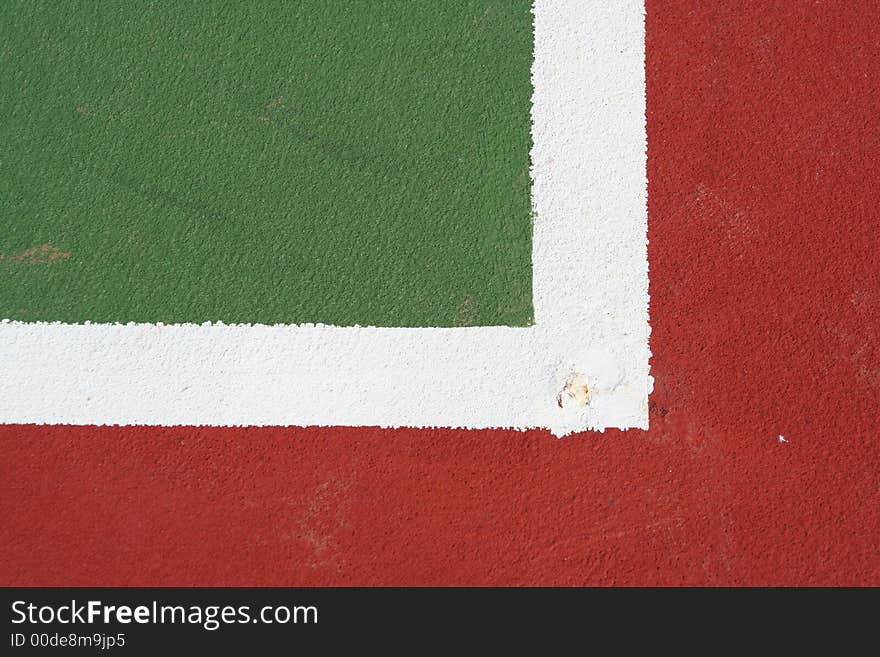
576, 392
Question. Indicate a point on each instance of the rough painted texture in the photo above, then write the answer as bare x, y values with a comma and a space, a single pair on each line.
266, 162
763, 124
589, 190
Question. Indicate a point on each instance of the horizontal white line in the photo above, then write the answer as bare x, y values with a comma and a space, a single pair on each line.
295, 375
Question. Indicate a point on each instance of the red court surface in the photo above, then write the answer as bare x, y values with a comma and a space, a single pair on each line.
764, 143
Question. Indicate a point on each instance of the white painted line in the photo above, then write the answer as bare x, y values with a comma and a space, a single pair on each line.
583, 366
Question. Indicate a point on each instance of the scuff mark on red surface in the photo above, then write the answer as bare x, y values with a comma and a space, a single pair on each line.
764, 134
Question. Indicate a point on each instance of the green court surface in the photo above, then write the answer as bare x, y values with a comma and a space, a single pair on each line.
266, 162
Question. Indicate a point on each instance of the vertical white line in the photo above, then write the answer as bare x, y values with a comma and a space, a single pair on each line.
590, 196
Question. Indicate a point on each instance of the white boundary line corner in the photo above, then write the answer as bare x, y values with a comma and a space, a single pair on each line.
584, 365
